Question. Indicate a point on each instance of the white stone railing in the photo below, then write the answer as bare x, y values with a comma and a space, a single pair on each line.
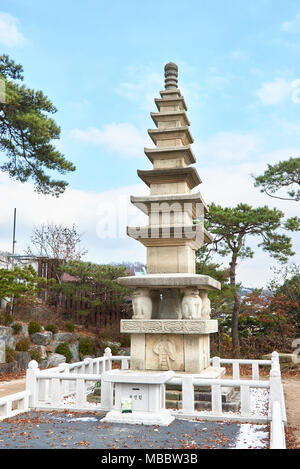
14, 404
276, 406
49, 388
237, 363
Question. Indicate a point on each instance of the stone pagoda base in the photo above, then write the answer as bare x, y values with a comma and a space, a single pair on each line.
178, 345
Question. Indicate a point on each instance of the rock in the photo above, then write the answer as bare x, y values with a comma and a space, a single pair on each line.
41, 349
9, 340
112, 344
9, 367
56, 359
75, 352
43, 364
24, 331
286, 360
4, 330
23, 358
41, 338
63, 337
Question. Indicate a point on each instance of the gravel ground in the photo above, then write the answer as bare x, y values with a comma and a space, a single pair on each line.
46, 430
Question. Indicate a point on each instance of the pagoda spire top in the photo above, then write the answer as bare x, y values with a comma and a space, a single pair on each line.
171, 76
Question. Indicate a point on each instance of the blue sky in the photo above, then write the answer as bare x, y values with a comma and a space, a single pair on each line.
101, 64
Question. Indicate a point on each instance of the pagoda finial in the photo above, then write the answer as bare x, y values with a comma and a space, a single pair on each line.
171, 76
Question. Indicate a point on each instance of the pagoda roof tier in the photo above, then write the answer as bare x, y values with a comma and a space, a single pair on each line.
172, 133
144, 203
172, 175
172, 101
193, 235
178, 280
170, 93
166, 153
167, 115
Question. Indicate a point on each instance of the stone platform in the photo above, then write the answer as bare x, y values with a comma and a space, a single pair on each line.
178, 280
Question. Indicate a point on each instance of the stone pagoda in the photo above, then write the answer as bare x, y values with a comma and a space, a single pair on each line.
171, 323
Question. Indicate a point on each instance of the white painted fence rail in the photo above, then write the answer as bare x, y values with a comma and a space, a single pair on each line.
14, 404
50, 388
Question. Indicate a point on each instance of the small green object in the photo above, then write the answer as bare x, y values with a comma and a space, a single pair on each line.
126, 406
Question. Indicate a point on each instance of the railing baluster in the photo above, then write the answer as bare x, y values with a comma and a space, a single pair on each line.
216, 399
56, 391
80, 392
236, 370
255, 371
124, 364
188, 397
245, 400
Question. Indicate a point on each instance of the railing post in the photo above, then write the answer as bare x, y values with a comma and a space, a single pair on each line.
188, 397
31, 382
216, 362
277, 428
108, 355
216, 399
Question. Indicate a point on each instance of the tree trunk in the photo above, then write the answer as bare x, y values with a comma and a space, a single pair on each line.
236, 308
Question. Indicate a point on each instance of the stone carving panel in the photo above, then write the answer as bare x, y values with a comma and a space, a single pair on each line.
189, 326
164, 352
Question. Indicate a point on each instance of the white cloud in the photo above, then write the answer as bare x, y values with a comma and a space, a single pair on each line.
9, 31
143, 89
292, 26
124, 138
277, 91
228, 146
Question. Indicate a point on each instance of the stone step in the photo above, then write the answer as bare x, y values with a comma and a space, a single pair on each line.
231, 405
227, 393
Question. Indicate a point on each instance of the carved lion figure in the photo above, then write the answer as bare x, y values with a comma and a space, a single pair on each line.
191, 304
206, 309
142, 304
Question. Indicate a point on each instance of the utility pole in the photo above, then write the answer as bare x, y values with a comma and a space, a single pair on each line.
13, 256
14, 238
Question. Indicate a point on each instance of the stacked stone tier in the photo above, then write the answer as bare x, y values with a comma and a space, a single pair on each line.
170, 157
171, 135
177, 118
153, 203
170, 180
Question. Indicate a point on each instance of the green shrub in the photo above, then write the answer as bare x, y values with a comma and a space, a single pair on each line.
34, 327
125, 340
10, 354
1, 318
70, 327
86, 346
64, 349
36, 354
17, 327
114, 350
23, 345
52, 328
8, 319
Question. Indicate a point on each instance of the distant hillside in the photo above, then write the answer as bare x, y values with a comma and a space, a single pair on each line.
245, 291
